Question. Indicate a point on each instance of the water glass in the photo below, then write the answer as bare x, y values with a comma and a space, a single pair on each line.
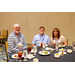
73, 44
35, 60
25, 55
35, 49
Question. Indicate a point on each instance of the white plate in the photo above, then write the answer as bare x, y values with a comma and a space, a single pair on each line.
17, 56
32, 51
47, 48
62, 46
42, 52
61, 52
30, 57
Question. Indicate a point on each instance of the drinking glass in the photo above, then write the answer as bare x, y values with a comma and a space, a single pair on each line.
43, 45
73, 44
29, 49
35, 60
57, 46
35, 49
25, 54
20, 55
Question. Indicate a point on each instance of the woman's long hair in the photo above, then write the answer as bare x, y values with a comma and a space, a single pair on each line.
58, 33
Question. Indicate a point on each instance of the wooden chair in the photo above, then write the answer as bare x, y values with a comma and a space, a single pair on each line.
4, 36
67, 41
6, 47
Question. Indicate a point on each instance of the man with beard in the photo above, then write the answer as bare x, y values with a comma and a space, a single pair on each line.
16, 41
41, 38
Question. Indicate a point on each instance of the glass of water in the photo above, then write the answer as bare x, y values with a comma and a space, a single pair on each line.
73, 44
25, 55
35, 49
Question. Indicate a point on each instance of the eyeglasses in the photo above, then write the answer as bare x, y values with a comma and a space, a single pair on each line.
17, 27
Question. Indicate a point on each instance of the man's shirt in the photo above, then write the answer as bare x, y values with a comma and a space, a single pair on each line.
38, 39
13, 41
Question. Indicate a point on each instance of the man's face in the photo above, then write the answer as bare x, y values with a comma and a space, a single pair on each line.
16, 28
41, 31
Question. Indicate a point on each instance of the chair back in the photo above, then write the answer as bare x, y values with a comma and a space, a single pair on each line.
67, 41
6, 47
4, 33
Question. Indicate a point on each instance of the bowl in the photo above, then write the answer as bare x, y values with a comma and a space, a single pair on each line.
69, 51
51, 50
56, 55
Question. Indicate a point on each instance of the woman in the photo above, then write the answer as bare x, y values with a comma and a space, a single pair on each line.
57, 38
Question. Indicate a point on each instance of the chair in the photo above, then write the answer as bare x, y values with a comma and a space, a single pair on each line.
67, 41
4, 36
6, 47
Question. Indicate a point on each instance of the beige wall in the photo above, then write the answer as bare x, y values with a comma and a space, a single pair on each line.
31, 21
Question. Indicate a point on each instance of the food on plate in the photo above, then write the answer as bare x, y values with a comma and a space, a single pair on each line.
15, 56
61, 45
44, 52
30, 55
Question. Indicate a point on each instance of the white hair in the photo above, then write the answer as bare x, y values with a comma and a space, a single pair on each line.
15, 24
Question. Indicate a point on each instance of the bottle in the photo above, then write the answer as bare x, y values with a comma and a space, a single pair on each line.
56, 46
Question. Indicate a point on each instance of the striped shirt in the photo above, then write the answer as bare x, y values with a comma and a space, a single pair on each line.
13, 41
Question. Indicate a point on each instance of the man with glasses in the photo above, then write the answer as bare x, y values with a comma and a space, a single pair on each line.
16, 41
41, 38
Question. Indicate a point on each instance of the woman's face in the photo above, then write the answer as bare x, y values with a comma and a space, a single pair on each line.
55, 32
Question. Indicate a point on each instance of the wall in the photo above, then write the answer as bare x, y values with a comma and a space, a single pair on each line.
31, 21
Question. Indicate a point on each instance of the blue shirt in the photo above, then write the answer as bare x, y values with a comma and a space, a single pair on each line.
13, 41
38, 39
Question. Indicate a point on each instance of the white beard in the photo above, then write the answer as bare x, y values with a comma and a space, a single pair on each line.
41, 33
17, 31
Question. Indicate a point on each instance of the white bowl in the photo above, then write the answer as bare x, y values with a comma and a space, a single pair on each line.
56, 55
69, 51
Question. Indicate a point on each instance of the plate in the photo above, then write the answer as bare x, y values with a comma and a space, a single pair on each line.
47, 48
15, 56
61, 46
30, 56
44, 52
62, 49
61, 53
32, 51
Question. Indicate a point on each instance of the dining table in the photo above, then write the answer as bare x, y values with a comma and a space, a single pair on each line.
68, 57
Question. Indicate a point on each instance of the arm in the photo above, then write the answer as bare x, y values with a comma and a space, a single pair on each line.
65, 43
24, 43
33, 42
49, 43
11, 45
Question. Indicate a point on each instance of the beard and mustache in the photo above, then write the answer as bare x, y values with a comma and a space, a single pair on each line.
41, 33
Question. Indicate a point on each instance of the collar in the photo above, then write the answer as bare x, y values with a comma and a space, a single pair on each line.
16, 35
42, 36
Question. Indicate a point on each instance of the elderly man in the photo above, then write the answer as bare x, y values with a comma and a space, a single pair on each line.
41, 38
16, 40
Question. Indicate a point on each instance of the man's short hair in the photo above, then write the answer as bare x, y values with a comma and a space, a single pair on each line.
42, 27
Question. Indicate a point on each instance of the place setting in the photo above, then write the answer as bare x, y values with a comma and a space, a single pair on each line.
25, 55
